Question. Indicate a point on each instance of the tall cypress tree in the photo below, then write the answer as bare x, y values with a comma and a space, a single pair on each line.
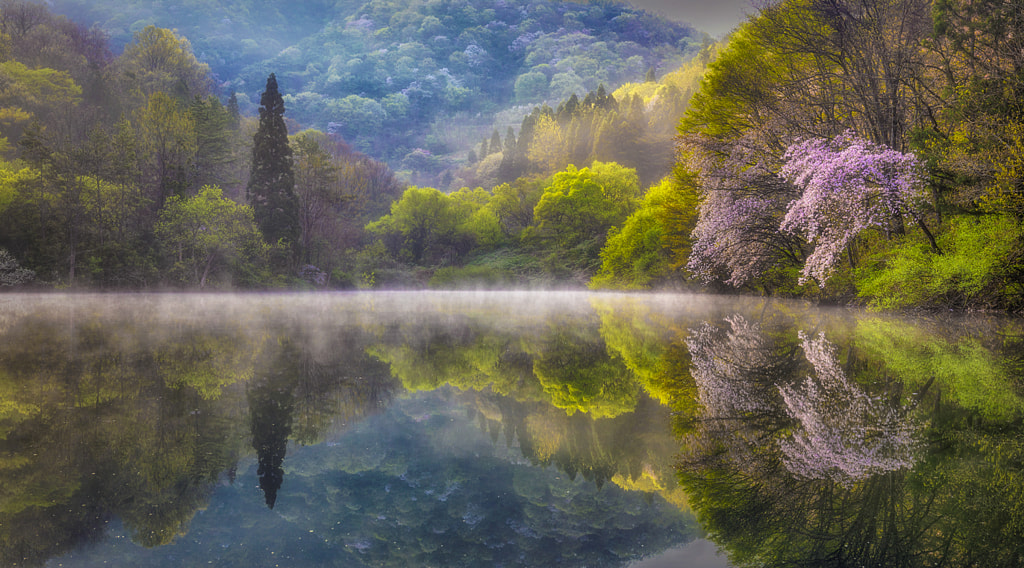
271, 188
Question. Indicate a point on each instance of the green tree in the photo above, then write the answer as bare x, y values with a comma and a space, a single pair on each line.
29, 94
168, 134
213, 142
580, 205
199, 232
531, 86
159, 61
513, 204
425, 225
653, 243
271, 189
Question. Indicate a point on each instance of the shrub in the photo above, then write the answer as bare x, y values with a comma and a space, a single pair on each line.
972, 271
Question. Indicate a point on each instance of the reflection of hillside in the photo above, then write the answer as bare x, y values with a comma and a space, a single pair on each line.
633, 450
555, 390
424, 487
138, 417
787, 445
803, 452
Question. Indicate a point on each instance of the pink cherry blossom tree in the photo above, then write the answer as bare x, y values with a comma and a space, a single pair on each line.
848, 185
737, 236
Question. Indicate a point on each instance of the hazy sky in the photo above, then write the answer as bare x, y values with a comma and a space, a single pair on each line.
713, 16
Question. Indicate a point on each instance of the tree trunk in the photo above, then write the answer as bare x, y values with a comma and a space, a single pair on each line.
206, 270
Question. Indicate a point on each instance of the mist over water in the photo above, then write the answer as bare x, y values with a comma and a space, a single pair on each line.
482, 428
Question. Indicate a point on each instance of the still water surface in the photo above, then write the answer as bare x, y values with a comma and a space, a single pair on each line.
504, 429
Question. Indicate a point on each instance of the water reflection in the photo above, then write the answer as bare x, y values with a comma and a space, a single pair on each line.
802, 453
271, 406
524, 429
844, 433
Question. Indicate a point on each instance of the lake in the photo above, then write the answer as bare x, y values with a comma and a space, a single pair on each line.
505, 429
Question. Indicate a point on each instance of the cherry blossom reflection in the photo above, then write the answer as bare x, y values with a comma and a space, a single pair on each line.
727, 368
844, 434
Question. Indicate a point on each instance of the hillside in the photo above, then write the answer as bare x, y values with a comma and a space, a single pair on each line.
393, 77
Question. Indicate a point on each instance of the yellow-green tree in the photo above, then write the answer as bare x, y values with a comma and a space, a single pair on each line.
548, 146
168, 136
198, 233
653, 244
579, 205
158, 61
30, 94
425, 225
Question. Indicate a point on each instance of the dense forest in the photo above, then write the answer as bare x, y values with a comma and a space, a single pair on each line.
394, 77
851, 151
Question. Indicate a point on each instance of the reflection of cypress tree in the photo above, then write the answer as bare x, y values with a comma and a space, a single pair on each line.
271, 406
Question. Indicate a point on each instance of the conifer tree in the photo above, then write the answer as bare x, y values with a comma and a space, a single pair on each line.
495, 145
233, 110
271, 188
507, 170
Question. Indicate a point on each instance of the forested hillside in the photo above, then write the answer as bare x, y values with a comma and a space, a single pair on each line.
130, 171
139, 169
399, 79
852, 151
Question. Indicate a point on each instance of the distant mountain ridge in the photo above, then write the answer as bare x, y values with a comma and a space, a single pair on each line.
392, 76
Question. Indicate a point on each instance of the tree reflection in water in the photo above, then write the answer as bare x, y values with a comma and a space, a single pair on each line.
844, 433
859, 441
271, 406
816, 461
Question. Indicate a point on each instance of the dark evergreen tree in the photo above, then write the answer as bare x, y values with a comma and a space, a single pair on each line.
271, 188
271, 415
270, 421
507, 170
233, 110
212, 164
495, 145
526, 138
567, 110
605, 100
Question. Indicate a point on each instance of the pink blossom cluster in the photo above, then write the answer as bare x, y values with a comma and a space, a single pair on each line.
847, 185
722, 237
844, 434
737, 233
722, 367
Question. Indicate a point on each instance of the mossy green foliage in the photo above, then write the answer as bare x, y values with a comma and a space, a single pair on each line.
978, 266
653, 244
